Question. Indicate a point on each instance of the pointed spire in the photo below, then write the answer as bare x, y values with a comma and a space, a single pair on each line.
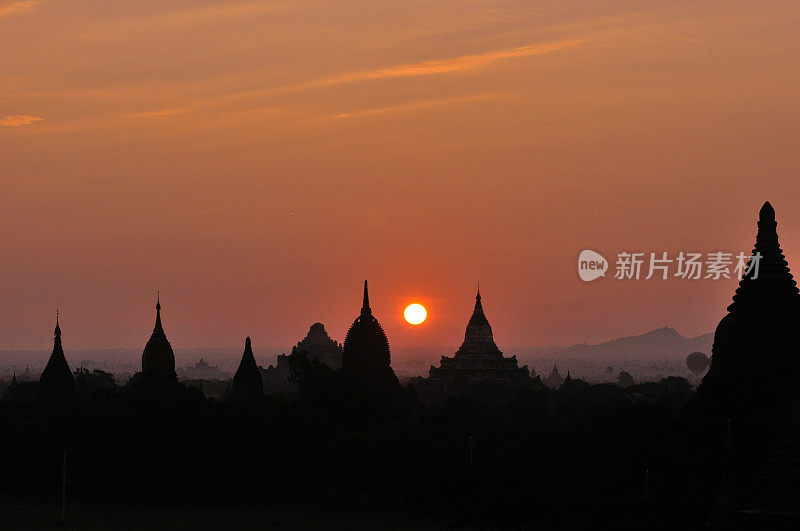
365, 309
770, 285
158, 359
158, 328
247, 380
478, 311
57, 331
57, 374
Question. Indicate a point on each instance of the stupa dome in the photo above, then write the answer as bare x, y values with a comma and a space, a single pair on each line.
365, 355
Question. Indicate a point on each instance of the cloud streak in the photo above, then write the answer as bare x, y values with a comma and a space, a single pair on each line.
423, 104
424, 68
455, 64
155, 114
17, 120
16, 7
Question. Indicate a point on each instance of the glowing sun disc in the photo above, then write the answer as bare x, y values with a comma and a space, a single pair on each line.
415, 313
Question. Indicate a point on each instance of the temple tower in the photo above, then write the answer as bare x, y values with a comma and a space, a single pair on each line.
247, 382
57, 378
478, 338
365, 356
158, 360
478, 368
756, 348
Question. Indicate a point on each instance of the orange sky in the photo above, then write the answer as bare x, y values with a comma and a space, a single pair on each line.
255, 161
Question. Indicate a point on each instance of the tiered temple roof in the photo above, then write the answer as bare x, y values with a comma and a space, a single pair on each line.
318, 345
756, 353
478, 359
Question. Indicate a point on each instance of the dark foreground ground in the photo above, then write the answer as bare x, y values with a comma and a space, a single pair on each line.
584, 456
34, 514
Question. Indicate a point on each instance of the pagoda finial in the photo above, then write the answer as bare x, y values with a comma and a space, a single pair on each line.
365, 309
57, 331
158, 327
767, 213
478, 306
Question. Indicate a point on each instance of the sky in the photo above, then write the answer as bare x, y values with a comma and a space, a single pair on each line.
256, 161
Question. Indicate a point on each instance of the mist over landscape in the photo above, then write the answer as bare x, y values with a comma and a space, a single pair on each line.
650, 356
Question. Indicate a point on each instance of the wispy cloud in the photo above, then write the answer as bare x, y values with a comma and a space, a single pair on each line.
454, 64
19, 119
156, 114
424, 68
16, 7
416, 105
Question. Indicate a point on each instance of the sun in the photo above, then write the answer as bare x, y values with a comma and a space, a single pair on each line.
415, 313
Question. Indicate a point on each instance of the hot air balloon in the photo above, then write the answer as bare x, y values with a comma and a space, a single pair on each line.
697, 362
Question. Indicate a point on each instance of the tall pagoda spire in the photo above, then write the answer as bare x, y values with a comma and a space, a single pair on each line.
365, 309
57, 334
57, 375
478, 337
247, 381
158, 328
157, 357
365, 354
477, 312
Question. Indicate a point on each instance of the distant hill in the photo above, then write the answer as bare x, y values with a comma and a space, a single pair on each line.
661, 352
659, 344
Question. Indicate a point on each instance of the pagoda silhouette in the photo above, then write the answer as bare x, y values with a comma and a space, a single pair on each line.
365, 355
57, 380
247, 381
158, 360
756, 352
317, 345
478, 366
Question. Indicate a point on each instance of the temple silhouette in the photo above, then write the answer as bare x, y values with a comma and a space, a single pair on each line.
247, 381
158, 360
756, 353
317, 345
365, 355
57, 381
478, 433
477, 367
554, 380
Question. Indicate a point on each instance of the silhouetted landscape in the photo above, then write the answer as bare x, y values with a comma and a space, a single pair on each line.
329, 434
487, 264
